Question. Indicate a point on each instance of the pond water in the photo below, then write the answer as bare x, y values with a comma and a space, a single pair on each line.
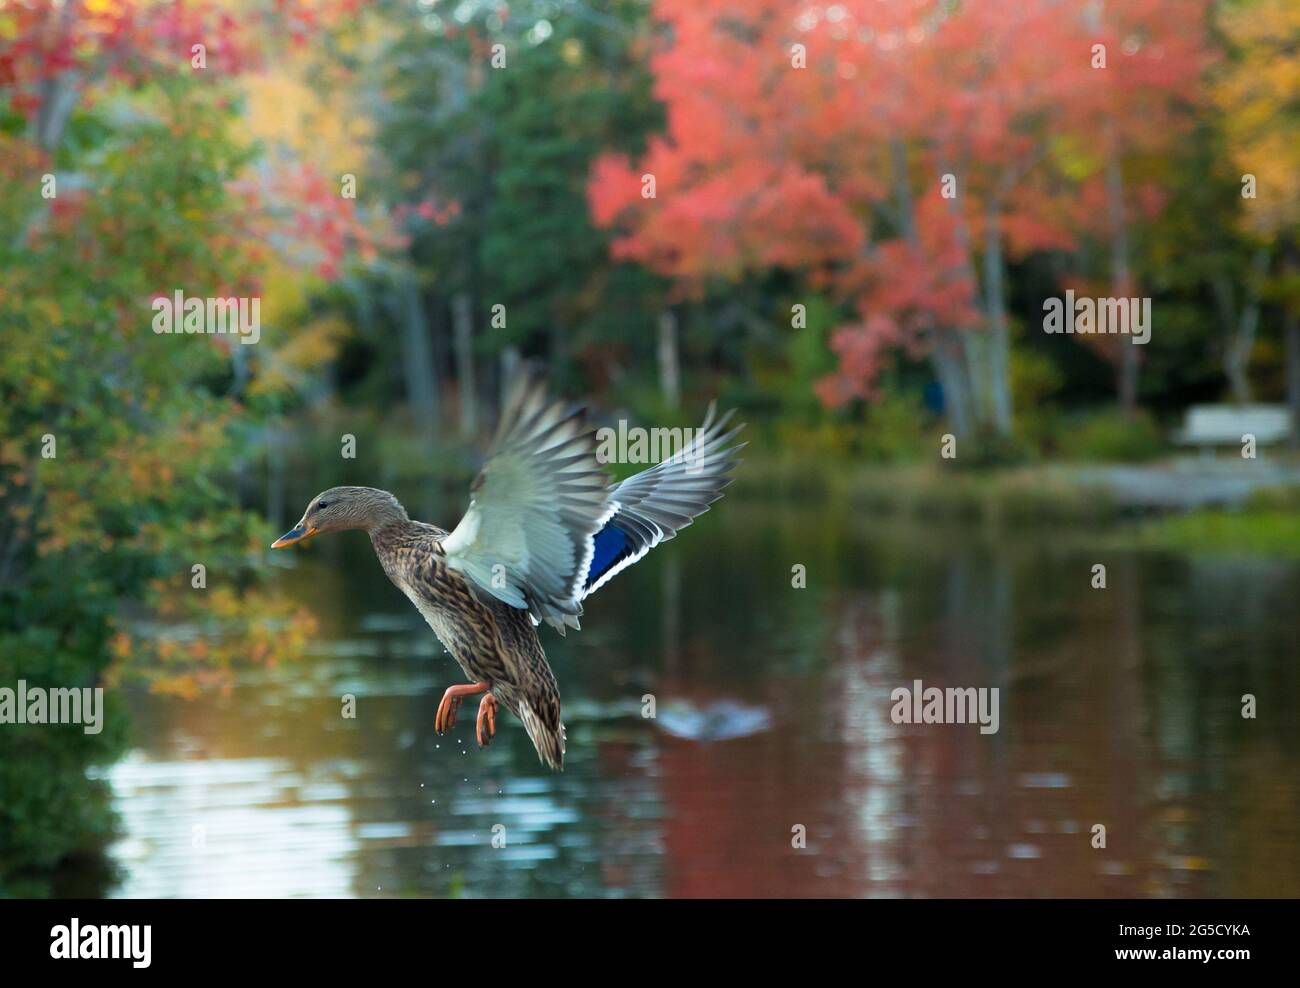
1119, 707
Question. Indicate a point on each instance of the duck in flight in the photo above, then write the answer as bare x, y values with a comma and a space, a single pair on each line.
544, 529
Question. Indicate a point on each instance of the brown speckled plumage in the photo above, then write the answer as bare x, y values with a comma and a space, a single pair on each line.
526, 551
491, 641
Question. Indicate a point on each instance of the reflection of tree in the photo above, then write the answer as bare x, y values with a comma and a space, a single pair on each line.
729, 805
105, 523
1112, 712
1119, 707
1262, 791
51, 815
1228, 814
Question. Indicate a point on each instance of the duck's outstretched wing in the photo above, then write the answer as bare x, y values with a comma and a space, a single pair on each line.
654, 505
527, 536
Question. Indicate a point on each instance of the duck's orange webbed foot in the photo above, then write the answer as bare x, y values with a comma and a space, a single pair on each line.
445, 718
487, 720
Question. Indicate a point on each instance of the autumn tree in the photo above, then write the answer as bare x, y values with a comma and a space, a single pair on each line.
1256, 91
1112, 136
490, 120
124, 552
893, 152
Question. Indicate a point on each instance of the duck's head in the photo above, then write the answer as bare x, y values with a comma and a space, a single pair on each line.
341, 508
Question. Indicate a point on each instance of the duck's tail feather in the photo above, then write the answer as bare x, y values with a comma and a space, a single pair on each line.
547, 738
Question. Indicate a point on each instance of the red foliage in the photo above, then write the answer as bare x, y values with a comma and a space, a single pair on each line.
294, 210
298, 211
834, 169
137, 40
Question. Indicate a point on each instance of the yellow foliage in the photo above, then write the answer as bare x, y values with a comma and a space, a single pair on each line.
284, 294
288, 113
1257, 94
314, 344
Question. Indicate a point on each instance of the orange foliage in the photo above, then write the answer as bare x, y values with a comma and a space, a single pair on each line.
815, 139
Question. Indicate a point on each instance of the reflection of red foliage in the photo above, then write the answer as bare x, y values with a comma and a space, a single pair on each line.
926, 810
728, 835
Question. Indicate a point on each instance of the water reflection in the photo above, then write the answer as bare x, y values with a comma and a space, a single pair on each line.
1120, 708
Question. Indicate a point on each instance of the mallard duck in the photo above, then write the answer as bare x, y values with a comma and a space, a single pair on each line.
544, 530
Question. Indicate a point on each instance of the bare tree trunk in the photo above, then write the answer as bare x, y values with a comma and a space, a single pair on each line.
1293, 374
952, 355
417, 366
59, 97
462, 319
1291, 332
951, 370
59, 92
1126, 383
987, 352
506, 365
999, 335
1236, 355
509, 361
669, 372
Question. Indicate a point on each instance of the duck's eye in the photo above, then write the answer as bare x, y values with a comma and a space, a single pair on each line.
320, 505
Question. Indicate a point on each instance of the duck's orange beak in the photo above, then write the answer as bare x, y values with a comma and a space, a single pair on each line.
299, 533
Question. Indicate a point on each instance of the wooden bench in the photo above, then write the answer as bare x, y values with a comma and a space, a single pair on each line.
1208, 426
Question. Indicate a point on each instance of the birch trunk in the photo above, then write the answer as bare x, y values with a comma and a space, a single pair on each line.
999, 342
951, 354
1242, 330
950, 368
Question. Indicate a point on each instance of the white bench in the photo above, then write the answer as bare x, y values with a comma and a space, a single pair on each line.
1207, 426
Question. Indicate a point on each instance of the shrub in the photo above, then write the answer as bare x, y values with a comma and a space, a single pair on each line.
1111, 437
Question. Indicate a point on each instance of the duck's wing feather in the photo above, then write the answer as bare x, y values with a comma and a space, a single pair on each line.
654, 505
527, 536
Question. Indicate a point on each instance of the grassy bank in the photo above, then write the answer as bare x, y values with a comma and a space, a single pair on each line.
1059, 495
1030, 495
1268, 525
1131, 500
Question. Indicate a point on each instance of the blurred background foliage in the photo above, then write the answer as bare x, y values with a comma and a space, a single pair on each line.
795, 261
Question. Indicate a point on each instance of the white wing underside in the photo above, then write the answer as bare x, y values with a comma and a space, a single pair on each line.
527, 536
